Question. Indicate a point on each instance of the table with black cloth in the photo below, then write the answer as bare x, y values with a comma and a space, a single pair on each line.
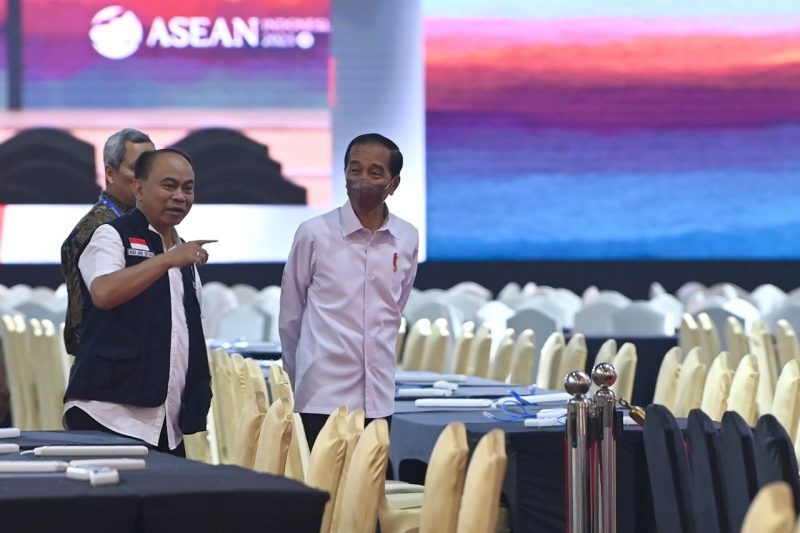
649, 353
170, 494
534, 485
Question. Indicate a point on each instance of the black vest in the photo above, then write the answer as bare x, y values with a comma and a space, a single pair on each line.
124, 351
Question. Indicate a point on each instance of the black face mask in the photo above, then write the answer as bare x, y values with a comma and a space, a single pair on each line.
366, 196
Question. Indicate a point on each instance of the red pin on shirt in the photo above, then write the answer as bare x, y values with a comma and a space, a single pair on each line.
394, 261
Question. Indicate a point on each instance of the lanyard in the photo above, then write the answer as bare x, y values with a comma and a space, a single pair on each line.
109, 204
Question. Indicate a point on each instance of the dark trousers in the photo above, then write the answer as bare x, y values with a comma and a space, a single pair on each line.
78, 420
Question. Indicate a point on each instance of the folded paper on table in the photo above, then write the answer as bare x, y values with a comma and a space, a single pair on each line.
543, 422
32, 466
115, 451
535, 399
453, 402
9, 433
9, 448
421, 376
422, 393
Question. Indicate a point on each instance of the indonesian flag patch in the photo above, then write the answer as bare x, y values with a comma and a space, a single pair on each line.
138, 244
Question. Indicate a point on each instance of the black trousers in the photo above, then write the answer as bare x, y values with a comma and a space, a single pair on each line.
78, 420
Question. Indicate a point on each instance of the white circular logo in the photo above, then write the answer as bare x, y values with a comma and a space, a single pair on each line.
304, 39
116, 32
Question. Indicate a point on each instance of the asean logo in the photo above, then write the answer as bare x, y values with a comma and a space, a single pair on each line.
116, 32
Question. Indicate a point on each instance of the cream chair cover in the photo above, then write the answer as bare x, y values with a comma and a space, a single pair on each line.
667, 380
786, 339
297, 462
738, 346
625, 362
761, 346
363, 487
688, 334
575, 355
550, 362
606, 352
480, 351
484, 481
717, 387
400, 341
415, 344
327, 461
786, 405
771, 511
690, 384
274, 439
501, 362
354, 427
709, 338
248, 430
434, 351
523, 358
462, 348
744, 389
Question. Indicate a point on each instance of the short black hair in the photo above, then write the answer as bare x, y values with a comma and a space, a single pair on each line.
145, 161
395, 157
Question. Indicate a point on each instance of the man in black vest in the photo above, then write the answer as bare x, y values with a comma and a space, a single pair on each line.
141, 368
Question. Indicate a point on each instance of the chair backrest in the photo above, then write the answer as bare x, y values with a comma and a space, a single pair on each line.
19, 373
775, 459
434, 351
772, 510
462, 348
244, 322
245, 294
47, 367
709, 338
767, 298
364, 485
667, 380
248, 430
737, 450
690, 384
606, 352
641, 319
217, 300
327, 461
669, 304
575, 354
354, 427
688, 334
786, 405
400, 342
444, 481
738, 345
541, 324
550, 361
500, 366
625, 363
708, 473
761, 346
523, 358
480, 352
717, 387
415, 344
670, 477
484, 481
281, 388
744, 389
274, 439
786, 339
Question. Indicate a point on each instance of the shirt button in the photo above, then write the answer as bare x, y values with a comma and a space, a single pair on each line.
370, 276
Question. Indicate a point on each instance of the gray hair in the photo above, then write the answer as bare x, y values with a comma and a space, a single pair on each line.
114, 150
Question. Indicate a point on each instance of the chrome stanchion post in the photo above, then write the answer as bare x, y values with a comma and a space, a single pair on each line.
605, 450
579, 506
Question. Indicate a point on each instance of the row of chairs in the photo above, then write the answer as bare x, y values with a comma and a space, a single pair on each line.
707, 483
37, 368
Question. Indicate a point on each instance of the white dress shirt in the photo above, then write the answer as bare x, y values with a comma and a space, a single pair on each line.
103, 255
343, 291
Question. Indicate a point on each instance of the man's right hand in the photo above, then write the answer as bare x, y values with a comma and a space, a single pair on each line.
188, 253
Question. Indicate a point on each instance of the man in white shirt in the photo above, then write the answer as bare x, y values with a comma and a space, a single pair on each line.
345, 284
141, 369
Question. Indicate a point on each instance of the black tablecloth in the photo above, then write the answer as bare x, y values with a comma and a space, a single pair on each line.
534, 487
171, 494
32, 439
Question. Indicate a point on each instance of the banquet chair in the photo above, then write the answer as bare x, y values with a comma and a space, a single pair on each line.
575, 354
738, 346
667, 379
689, 393
480, 502
772, 510
717, 387
462, 348
327, 461
688, 334
248, 430
437, 509
434, 350
669, 304
217, 300
363, 487
221, 403
737, 451
786, 404
399, 343
46, 365
542, 324
786, 339
354, 428
708, 475
641, 319
744, 389
775, 458
767, 298
523, 358
670, 476
709, 338
19, 373
761, 346
415, 344
550, 358
625, 363
480, 352
297, 461
606, 352
245, 294
501, 362
245, 322
274, 439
